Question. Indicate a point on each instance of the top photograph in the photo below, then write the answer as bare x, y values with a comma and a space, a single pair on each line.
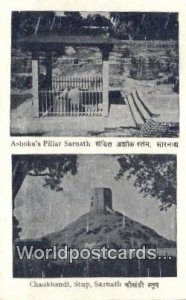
94, 73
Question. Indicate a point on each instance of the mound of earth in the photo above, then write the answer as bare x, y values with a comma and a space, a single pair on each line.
96, 230
110, 229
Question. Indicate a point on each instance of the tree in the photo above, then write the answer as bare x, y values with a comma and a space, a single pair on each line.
154, 175
126, 25
52, 167
73, 21
26, 23
145, 26
97, 20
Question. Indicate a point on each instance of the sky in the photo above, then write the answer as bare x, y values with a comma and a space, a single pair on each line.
41, 211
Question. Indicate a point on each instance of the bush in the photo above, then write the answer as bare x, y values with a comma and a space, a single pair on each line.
21, 82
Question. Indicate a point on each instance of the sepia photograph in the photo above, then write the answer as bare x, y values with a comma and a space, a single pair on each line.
77, 73
92, 150
94, 215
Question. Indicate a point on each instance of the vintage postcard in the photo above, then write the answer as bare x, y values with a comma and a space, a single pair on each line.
93, 150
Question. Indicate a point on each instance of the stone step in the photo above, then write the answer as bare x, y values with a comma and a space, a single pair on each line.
140, 108
146, 106
138, 119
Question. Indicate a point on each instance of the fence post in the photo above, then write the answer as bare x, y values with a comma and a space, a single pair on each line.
49, 70
35, 85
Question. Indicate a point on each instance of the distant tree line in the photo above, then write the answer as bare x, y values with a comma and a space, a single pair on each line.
129, 26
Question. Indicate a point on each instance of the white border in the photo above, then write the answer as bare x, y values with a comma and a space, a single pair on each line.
170, 288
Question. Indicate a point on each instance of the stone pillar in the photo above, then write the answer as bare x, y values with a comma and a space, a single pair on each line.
35, 85
105, 88
105, 73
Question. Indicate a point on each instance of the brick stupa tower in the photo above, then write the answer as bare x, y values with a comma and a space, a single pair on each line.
101, 199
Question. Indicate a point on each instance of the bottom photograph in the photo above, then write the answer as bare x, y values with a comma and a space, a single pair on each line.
94, 215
